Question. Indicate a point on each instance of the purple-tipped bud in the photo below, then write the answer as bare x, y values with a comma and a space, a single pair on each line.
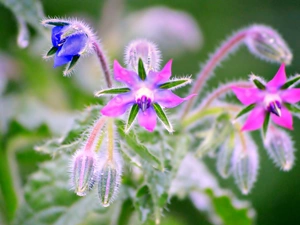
267, 44
145, 50
83, 172
245, 165
109, 182
280, 148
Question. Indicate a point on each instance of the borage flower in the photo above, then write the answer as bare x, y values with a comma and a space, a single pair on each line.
273, 99
146, 94
70, 40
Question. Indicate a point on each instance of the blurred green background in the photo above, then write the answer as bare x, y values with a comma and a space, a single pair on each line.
275, 196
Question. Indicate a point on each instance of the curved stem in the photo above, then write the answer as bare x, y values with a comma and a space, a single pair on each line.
103, 62
212, 63
94, 134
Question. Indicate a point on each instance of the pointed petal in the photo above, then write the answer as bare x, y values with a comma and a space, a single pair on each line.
246, 96
73, 45
161, 76
61, 60
285, 120
118, 105
279, 79
168, 99
125, 76
291, 95
147, 119
255, 120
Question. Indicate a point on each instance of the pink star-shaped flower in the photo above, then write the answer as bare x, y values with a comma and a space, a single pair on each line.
269, 99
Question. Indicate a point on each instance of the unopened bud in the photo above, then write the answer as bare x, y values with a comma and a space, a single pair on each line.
224, 158
245, 165
145, 50
280, 148
83, 173
109, 182
266, 43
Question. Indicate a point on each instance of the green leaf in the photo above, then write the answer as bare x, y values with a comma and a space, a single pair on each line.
292, 108
227, 211
52, 51
57, 23
245, 110
290, 82
266, 124
132, 141
258, 84
163, 117
112, 91
175, 83
141, 70
132, 115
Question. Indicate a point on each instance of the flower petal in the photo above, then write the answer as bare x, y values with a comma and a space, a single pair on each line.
161, 76
118, 105
73, 45
61, 60
56, 35
246, 96
147, 119
168, 99
125, 76
255, 120
279, 79
291, 95
285, 120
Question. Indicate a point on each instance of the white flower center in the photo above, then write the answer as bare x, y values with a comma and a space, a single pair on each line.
144, 98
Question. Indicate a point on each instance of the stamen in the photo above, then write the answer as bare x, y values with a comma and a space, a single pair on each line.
144, 103
274, 107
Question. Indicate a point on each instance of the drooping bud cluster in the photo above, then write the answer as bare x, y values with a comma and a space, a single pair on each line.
280, 148
267, 44
70, 39
97, 163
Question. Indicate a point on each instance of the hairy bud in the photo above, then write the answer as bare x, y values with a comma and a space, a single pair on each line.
280, 148
109, 182
83, 173
245, 165
145, 50
267, 44
224, 158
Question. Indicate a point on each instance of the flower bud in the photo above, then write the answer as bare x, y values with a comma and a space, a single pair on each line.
145, 50
267, 44
245, 164
280, 148
108, 182
83, 172
224, 158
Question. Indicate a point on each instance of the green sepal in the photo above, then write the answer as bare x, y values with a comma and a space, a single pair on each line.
163, 117
72, 63
292, 108
112, 91
245, 110
175, 83
290, 82
132, 115
52, 51
259, 85
266, 124
57, 23
141, 70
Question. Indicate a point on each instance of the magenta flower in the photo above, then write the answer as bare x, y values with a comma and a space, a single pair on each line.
273, 99
146, 94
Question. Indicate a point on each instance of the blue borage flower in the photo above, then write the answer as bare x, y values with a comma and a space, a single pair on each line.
70, 40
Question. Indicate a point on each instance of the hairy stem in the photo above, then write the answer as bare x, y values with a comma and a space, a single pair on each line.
103, 62
94, 133
212, 63
110, 139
